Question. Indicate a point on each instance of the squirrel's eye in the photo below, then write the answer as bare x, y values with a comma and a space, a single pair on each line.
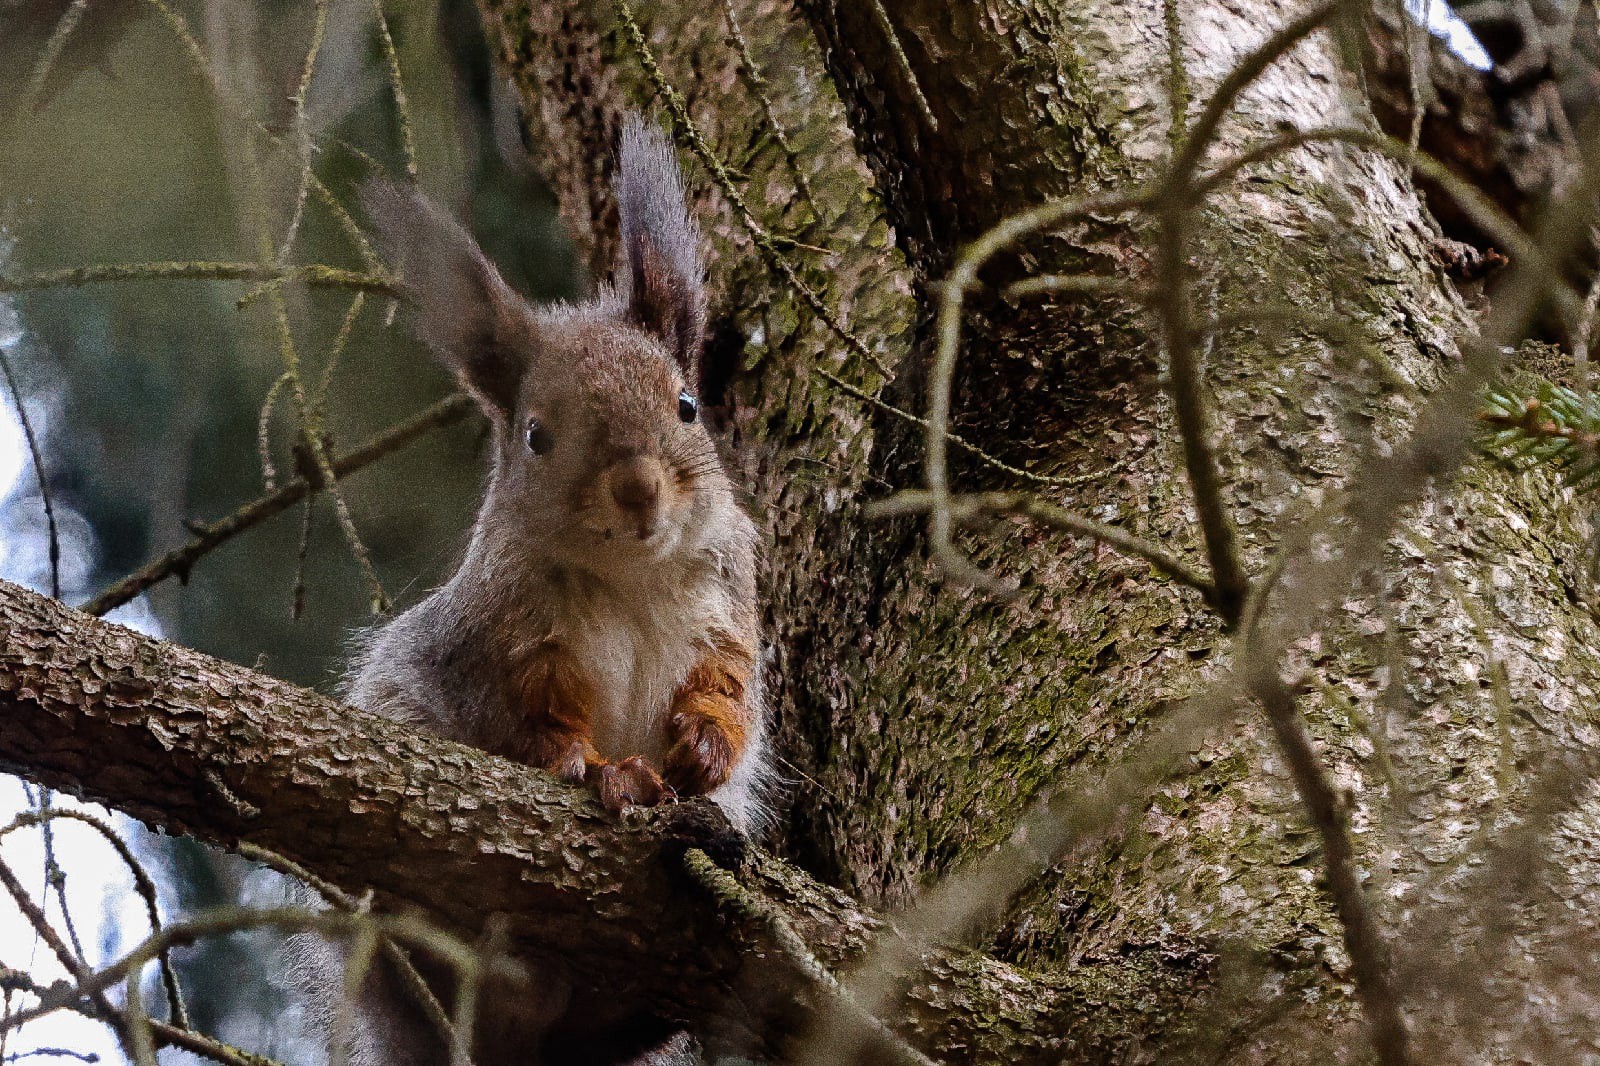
688, 406
539, 439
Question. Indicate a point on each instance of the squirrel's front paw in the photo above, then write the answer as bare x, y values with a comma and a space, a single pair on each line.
701, 758
627, 783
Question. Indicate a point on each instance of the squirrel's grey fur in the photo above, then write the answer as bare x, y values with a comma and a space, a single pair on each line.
551, 557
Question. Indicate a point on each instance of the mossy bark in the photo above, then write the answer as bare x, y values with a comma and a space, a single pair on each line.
916, 721
920, 720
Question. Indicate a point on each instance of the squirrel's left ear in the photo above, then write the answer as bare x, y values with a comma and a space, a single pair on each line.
660, 276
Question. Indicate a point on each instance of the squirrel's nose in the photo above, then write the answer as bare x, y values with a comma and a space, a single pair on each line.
636, 484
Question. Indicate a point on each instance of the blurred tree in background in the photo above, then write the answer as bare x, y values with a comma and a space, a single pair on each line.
150, 395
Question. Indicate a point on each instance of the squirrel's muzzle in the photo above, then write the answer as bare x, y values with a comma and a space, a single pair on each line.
636, 485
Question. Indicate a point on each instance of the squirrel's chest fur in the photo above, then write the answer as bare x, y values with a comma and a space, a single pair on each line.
445, 663
635, 651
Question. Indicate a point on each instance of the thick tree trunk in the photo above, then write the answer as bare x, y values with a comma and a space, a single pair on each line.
920, 720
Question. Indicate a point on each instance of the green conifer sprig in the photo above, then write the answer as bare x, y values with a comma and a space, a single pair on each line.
1547, 425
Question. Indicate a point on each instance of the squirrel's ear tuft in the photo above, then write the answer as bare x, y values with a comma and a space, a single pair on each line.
660, 277
475, 323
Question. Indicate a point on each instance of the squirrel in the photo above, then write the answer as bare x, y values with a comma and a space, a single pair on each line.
602, 624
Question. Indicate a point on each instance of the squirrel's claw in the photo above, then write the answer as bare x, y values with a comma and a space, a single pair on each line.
573, 765
630, 782
702, 759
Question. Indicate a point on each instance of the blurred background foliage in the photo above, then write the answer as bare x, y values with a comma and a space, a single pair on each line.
148, 393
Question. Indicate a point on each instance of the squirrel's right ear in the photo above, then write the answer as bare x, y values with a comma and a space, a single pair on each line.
475, 323
661, 277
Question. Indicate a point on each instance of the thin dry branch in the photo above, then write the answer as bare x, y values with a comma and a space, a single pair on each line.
143, 886
69, 961
178, 562
397, 88
1202, 134
165, 1033
963, 278
1364, 940
1192, 404
415, 986
757, 83
316, 275
968, 507
52, 51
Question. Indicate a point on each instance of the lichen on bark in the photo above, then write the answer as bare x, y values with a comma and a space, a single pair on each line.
920, 721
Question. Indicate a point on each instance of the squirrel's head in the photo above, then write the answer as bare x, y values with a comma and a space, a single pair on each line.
599, 449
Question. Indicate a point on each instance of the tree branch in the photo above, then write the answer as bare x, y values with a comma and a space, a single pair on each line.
178, 561
462, 835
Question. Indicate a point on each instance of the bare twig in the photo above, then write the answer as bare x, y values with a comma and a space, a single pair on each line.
1482, 211
1241, 76
902, 63
963, 278
168, 1035
69, 962
1337, 330
297, 598
733, 897
269, 472
165, 1034
357, 965
1382, 488
302, 135
39, 475
178, 561
141, 1041
316, 275
319, 402
965, 508
222, 920
758, 88
1192, 406
311, 429
1075, 285
1177, 75
469, 987
143, 885
1369, 956
1416, 73
416, 986
880, 404
52, 51
397, 87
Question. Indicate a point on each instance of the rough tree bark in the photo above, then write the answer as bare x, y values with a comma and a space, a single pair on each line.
195, 745
919, 720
